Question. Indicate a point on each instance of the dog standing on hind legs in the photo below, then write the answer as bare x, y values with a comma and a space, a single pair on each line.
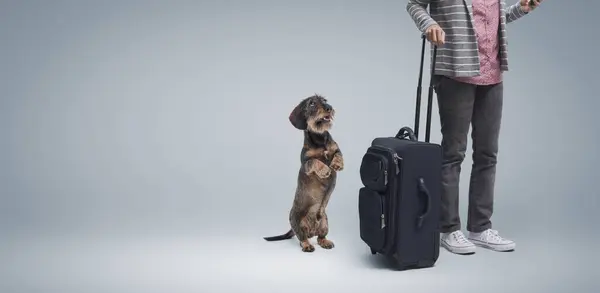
321, 159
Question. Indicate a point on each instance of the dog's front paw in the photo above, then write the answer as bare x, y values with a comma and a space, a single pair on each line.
337, 164
323, 171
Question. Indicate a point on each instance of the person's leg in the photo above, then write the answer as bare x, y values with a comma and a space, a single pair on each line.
455, 103
487, 117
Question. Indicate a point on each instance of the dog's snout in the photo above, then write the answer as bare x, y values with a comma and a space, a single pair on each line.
327, 107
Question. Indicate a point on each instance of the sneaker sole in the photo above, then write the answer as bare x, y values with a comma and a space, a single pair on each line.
460, 251
499, 248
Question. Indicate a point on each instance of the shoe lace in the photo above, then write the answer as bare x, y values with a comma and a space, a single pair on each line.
493, 235
460, 237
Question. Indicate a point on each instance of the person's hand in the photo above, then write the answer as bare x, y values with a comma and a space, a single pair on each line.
436, 35
526, 7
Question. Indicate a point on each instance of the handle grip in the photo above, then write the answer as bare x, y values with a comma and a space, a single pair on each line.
423, 190
405, 132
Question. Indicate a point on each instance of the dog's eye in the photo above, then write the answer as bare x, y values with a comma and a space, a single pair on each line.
311, 104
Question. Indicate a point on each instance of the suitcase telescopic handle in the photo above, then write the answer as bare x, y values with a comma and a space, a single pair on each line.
423, 190
430, 93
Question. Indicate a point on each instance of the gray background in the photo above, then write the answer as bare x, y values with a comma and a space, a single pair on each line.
145, 146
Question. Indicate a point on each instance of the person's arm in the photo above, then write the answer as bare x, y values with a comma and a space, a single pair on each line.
417, 9
514, 12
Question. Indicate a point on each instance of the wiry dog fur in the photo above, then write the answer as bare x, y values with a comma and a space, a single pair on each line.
321, 159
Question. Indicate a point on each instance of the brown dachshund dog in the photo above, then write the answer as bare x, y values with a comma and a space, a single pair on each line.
320, 159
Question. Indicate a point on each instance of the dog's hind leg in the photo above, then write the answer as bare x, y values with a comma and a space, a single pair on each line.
301, 227
304, 235
323, 230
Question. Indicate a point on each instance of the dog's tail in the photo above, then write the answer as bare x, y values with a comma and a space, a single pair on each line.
287, 235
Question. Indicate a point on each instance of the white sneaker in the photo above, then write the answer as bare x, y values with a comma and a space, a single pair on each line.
456, 242
491, 240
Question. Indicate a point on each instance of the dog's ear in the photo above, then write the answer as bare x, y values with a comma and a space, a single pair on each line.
297, 117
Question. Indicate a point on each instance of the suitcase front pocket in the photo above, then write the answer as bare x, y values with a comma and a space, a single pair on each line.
374, 171
372, 218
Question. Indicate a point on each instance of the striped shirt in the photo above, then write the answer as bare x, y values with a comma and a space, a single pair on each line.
459, 56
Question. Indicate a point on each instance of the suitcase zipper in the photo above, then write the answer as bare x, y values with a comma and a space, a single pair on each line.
385, 177
396, 158
382, 221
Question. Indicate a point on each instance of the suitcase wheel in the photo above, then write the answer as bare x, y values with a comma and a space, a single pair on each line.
373, 251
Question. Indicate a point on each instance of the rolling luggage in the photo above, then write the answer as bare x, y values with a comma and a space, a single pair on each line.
399, 205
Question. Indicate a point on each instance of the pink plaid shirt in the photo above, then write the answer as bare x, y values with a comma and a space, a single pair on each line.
486, 19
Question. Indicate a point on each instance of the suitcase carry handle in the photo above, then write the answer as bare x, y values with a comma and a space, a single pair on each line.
430, 94
423, 190
405, 132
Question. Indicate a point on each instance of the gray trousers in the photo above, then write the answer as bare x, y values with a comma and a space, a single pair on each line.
462, 105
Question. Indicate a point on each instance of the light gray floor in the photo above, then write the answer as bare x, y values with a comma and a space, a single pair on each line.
238, 264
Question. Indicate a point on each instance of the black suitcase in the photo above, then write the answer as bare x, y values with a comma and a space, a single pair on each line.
399, 205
